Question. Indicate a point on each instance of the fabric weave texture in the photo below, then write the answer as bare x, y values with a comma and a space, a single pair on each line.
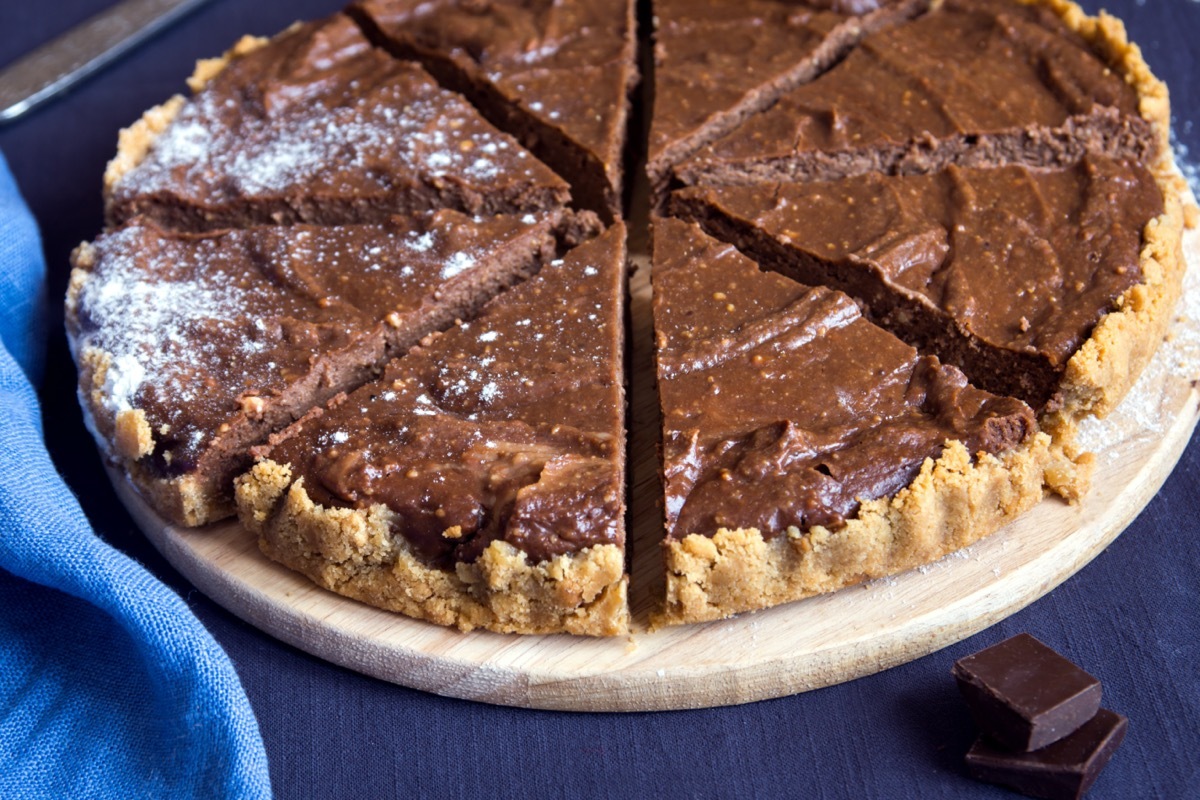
109, 685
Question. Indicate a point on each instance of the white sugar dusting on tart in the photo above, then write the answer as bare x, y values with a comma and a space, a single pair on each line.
300, 149
142, 321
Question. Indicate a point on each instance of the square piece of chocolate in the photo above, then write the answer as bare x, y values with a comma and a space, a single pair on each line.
1024, 695
1064, 770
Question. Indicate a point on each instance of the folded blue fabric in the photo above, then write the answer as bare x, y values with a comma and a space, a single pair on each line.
109, 686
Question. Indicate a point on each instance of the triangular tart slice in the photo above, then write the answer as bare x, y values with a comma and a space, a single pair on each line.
316, 125
805, 449
718, 63
555, 75
194, 346
480, 482
1006, 272
971, 83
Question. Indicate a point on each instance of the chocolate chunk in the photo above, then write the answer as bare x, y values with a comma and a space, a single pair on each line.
1065, 769
1024, 695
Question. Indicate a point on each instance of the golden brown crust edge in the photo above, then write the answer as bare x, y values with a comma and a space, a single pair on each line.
124, 435
952, 503
134, 142
355, 553
1103, 370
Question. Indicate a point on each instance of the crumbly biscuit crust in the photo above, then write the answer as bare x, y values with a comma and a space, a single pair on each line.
357, 553
952, 503
1103, 370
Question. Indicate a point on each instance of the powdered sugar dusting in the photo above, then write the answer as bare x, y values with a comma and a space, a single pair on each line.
141, 321
458, 263
409, 127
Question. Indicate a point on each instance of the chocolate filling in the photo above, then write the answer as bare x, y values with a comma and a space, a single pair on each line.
555, 76
719, 64
976, 83
1003, 272
783, 407
509, 427
317, 126
221, 338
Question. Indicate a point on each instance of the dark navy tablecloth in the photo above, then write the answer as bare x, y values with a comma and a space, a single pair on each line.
1131, 617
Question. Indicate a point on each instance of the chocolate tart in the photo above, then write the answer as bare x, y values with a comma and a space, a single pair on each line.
308, 267
193, 347
718, 64
317, 126
557, 76
480, 482
806, 449
973, 83
1003, 272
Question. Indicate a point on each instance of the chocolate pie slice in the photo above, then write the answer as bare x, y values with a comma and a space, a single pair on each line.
972, 83
479, 482
317, 126
1002, 272
193, 347
805, 449
719, 63
556, 75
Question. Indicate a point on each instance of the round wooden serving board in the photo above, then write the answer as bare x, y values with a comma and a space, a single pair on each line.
793, 648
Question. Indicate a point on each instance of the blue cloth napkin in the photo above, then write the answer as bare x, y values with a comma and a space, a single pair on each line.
109, 686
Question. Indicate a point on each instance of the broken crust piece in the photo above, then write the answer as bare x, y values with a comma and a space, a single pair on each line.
951, 504
354, 552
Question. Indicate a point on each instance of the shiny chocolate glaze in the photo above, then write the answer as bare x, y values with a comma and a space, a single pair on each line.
508, 427
783, 407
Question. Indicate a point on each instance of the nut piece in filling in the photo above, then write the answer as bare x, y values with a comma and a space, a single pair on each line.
480, 481
804, 448
1002, 272
192, 347
718, 63
973, 83
318, 126
555, 75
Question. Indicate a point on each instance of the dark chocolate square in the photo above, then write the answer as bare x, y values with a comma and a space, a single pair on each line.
1024, 695
1065, 769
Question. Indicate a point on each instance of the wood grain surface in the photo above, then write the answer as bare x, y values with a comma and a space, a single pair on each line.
781, 651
